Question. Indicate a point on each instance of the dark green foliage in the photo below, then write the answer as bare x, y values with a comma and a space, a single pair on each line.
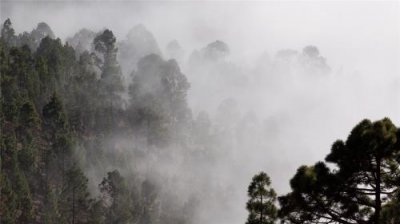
55, 65
39, 73
15, 188
50, 209
9, 159
28, 117
391, 210
82, 102
22, 66
261, 205
55, 122
27, 158
8, 199
54, 116
367, 175
25, 204
9, 87
58, 155
75, 197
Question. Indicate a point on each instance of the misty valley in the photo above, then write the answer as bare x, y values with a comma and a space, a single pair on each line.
100, 128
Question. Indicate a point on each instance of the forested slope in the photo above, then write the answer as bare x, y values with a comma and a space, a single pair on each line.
59, 111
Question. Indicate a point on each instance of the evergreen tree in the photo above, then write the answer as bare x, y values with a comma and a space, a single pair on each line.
54, 116
111, 82
75, 197
55, 64
368, 174
8, 33
58, 157
111, 76
9, 88
28, 117
23, 67
29, 135
82, 101
261, 205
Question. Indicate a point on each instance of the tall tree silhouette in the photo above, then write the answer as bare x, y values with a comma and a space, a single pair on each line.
367, 175
261, 205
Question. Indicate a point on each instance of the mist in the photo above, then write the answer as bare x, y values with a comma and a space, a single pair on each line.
274, 83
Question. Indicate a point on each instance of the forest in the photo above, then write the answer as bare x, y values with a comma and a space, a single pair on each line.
99, 130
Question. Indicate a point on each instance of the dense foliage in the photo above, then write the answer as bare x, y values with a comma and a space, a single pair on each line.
59, 106
362, 188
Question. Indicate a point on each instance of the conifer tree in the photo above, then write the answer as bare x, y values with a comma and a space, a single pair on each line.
8, 34
74, 201
261, 205
367, 175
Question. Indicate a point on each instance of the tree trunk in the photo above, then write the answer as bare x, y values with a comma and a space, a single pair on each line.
261, 212
73, 205
378, 203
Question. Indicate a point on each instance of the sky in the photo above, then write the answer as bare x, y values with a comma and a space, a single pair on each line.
365, 30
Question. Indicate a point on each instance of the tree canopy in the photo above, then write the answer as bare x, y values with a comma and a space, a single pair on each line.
366, 176
261, 205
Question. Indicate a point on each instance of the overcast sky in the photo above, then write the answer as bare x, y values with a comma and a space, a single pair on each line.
356, 31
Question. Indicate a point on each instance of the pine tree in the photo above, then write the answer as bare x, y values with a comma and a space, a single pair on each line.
8, 33
111, 82
74, 200
367, 175
57, 133
261, 205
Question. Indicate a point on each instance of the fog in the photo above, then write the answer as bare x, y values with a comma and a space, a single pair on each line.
279, 104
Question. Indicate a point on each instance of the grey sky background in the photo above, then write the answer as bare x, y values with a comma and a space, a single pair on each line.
359, 32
